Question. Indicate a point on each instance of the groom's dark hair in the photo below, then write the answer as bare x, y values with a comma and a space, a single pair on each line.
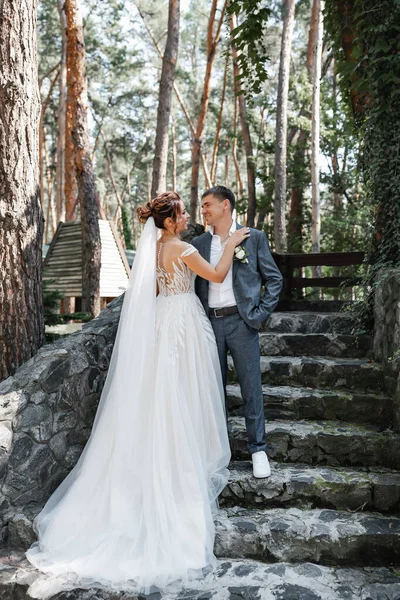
222, 193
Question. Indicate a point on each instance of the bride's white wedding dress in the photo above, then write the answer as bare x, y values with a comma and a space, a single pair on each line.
136, 512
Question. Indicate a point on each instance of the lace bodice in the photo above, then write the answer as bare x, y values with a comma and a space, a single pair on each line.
181, 280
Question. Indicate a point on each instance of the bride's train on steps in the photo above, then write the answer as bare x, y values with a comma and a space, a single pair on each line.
136, 512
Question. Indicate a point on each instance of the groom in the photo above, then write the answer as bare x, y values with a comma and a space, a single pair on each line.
237, 310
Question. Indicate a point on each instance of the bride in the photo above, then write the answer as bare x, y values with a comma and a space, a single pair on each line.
136, 512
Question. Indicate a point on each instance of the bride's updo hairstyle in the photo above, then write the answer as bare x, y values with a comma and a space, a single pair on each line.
167, 204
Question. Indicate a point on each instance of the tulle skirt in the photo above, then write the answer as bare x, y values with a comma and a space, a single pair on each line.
136, 513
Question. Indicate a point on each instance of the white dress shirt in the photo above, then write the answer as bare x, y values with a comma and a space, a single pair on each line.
220, 294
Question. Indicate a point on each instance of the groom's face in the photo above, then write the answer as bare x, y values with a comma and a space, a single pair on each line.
213, 209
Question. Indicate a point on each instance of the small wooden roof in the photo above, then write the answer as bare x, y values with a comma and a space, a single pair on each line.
63, 261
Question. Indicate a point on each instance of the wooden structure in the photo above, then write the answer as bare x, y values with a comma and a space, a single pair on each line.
287, 263
63, 263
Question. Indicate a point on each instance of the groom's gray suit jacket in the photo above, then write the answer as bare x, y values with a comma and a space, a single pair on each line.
247, 279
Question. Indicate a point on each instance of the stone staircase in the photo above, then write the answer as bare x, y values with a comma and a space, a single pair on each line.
326, 524
334, 492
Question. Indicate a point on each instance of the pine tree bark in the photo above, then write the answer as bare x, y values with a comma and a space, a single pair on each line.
219, 122
296, 213
173, 153
70, 181
77, 91
50, 215
212, 43
315, 134
180, 100
359, 100
295, 226
42, 141
281, 128
159, 180
61, 114
312, 37
239, 182
226, 163
248, 146
21, 219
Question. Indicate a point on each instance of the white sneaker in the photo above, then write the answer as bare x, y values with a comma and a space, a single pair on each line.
261, 466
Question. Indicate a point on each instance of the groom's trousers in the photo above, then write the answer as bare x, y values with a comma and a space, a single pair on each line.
232, 333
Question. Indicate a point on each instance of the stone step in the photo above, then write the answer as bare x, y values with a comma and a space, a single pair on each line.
303, 486
334, 373
309, 322
314, 344
286, 402
322, 443
234, 579
317, 306
319, 535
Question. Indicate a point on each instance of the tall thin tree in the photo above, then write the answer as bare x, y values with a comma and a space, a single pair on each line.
70, 183
21, 219
212, 43
315, 132
219, 122
248, 146
159, 180
60, 165
281, 127
179, 98
296, 213
77, 91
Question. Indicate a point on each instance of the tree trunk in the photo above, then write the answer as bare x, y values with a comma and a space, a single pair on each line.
60, 167
148, 182
173, 161
180, 100
159, 180
50, 216
359, 100
315, 133
77, 91
212, 43
295, 228
281, 128
42, 142
239, 182
312, 37
250, 163
219, 123
226, 163
21, 219
118, 197
70, 180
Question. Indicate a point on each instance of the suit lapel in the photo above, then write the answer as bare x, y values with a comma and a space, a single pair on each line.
207, 247
235, 262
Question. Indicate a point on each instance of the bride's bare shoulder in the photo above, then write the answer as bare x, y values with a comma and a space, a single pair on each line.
178, 246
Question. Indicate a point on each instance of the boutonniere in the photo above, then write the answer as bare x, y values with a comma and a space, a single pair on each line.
241, 255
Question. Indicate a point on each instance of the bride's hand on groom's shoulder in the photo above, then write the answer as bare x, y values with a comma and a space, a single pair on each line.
239, 235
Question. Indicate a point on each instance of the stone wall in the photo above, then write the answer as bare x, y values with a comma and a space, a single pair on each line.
46, 414
386, 345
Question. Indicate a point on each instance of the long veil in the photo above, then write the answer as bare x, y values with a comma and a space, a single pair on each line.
109, 457
136, 512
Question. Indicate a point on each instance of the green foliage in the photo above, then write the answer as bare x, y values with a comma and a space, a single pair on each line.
371, 74
51, 302
127, 229
49, 36
248, 38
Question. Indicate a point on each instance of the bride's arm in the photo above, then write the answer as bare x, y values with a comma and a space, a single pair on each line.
216, 274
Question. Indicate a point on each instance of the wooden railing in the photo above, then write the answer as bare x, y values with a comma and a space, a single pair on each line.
287, 263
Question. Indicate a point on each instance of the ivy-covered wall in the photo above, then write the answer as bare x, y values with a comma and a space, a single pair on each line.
386, 346
365, 38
